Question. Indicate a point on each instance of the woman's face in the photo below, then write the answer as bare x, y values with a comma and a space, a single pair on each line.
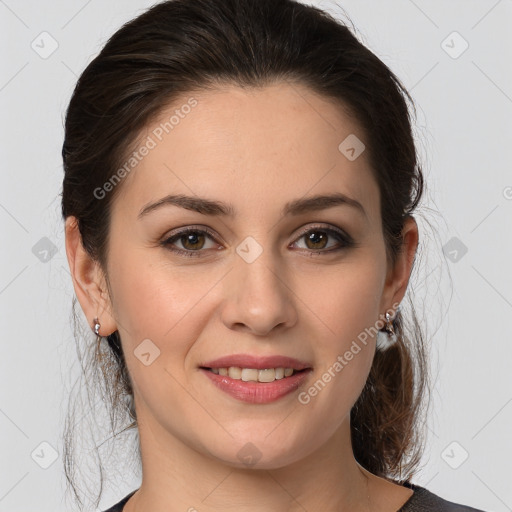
269, 271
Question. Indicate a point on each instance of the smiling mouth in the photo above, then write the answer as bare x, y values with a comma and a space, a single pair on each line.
255, 375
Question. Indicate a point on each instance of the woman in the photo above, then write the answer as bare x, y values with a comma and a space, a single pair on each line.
240, 179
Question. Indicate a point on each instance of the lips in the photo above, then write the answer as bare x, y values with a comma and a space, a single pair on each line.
257, 392
230, 374
256, 362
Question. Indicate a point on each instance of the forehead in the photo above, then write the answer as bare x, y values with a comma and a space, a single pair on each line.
255, 148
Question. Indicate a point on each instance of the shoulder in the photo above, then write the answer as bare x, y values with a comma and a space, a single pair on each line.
118, 507
425, 501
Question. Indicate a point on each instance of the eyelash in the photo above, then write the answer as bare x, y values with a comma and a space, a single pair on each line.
343, 238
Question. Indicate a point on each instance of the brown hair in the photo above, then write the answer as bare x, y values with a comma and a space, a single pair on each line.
179, 46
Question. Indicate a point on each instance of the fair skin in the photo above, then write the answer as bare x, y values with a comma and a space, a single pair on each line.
256, 150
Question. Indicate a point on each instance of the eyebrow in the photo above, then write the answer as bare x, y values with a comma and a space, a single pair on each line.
218, 208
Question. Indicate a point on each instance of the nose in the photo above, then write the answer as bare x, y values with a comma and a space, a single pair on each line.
258, 296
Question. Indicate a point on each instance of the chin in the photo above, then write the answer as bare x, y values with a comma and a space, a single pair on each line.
260, 453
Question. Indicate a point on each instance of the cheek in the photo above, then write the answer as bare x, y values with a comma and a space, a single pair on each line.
152, 297
345, 300
161, 302
341, 316
160, 311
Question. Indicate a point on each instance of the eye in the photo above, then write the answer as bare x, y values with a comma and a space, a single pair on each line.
316, 239
192, 240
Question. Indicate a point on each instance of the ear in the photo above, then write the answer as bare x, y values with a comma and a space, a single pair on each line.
88, 281
398, 276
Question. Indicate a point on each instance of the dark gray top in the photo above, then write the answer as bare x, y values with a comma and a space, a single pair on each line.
421, 501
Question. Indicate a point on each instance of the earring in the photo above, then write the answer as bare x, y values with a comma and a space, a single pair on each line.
96, 327
387, 337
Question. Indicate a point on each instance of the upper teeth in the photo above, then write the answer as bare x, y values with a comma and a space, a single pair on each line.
253, 374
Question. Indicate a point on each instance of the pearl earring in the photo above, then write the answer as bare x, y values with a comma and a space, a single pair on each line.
386, 338
96, 327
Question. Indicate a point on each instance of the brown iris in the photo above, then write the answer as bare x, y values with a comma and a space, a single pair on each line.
193, 240
316, 239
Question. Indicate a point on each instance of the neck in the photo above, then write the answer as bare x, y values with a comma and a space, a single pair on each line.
177, 477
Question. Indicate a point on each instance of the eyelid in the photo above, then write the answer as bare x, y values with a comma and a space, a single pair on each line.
325, 227
183, 230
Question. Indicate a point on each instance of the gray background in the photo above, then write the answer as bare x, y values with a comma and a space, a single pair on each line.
464, 130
